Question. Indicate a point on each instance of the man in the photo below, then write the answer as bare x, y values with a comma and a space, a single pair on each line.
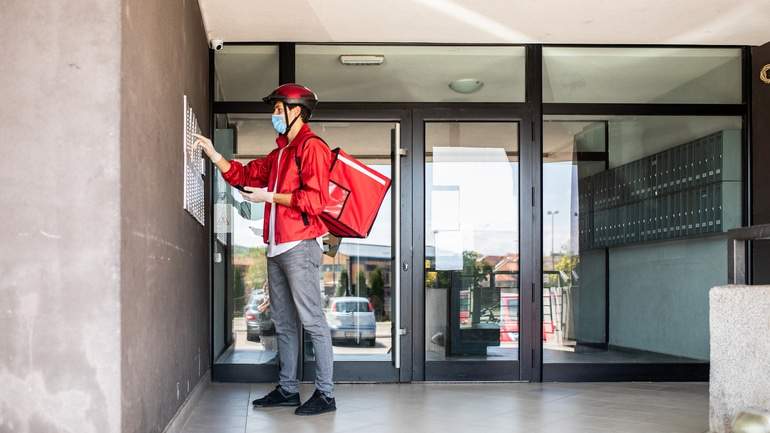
292, 232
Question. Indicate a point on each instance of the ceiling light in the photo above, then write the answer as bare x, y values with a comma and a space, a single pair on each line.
466, 85
362, 59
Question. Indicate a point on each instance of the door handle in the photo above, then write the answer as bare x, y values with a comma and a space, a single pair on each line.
396, 194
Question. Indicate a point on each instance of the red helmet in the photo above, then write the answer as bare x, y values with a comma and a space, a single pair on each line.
293, 94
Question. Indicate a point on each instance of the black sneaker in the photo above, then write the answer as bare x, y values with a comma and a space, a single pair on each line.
278, 397
317, 404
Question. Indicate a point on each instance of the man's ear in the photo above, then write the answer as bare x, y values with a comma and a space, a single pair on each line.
296, 111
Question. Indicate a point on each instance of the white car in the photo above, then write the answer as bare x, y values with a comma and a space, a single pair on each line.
351, 319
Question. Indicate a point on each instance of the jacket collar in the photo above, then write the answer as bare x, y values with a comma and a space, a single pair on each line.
303, 133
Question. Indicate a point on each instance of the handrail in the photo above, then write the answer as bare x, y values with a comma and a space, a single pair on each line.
736, 250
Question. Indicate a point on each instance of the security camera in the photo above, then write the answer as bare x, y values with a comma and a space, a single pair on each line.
217, 44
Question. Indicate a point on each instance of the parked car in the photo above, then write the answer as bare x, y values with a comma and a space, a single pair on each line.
257, 323
509, 320
509, 317
351, 319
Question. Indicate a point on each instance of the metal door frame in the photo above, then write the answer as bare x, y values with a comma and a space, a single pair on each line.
526, 368
382, 371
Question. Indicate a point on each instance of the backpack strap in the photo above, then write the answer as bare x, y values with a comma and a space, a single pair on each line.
298, 161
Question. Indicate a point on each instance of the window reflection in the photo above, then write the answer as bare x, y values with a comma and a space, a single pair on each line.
642, 75
472, 260
633, 211
356, 283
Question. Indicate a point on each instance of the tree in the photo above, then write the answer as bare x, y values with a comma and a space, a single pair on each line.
377, 283
239, 290
377, 292
342, 286
257, 273
247, 277
476, 269
567, 265
479, 272
361, 289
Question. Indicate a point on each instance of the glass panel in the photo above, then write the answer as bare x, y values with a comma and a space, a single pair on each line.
412, 73
247, 303
634, 208
471, 241
245, 72
642, 75
358, 281
224, 144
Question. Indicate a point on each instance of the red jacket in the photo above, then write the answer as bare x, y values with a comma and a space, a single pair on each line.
311, 199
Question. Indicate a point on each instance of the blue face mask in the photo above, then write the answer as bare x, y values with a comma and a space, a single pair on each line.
279, 123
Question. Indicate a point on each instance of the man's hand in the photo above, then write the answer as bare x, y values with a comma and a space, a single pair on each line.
263, 306
208, 148
257, 195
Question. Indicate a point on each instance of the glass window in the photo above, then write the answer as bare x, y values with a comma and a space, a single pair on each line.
245, 72
634, 211
642, 75
471, 241
246, 301
412, 73
253, 134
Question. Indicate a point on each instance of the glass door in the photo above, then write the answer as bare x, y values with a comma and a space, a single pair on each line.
470, 279
360, 283
245, 346
441, 289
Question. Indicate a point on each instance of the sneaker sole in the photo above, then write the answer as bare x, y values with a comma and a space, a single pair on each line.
276, 404
316, 413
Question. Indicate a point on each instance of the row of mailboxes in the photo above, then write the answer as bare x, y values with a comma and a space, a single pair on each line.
705, 209
713, 158
688, 190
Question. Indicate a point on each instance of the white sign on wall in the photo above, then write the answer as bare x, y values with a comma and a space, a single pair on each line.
194, 167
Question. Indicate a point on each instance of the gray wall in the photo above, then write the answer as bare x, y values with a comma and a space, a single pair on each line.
60, 231
659, 295
164, 268
589, 298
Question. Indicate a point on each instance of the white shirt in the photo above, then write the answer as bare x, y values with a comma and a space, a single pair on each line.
274, 249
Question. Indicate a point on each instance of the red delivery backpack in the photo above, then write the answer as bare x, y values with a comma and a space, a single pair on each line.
356, 193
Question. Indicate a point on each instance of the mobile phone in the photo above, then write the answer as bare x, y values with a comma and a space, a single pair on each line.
240, 188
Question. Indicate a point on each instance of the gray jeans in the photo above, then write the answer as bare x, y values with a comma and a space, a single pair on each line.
295, 296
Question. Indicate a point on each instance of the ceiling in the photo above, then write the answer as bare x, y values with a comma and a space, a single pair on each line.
705, 22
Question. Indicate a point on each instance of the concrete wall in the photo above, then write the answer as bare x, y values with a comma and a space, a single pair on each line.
60, 231
164, 267
740, 353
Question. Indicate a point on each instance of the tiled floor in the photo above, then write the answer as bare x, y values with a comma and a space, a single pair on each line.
466, 408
